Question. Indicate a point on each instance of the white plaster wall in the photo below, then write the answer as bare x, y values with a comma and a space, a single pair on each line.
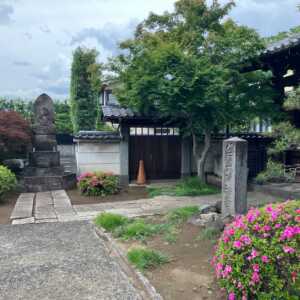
98, 156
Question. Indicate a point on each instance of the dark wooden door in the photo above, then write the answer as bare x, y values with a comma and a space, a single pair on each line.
161, 156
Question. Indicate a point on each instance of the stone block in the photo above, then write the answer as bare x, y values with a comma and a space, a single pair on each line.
44, 159
23, 221
235, 175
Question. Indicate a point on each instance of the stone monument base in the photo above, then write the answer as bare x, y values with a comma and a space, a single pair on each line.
34, 184
45, 172
37, 179
44, 159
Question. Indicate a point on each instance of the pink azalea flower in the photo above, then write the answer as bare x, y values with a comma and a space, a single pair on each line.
256, 227
246, 239
227, 271
253, 255
265, 259
269, 208
298, 211
288, 249
237, 244
274, 216
231, 231
226, 239
244, 298
253, 215
255, 277
297, 219
277, 226
267, 228
231, 296
289, 232
255, 268
240, 286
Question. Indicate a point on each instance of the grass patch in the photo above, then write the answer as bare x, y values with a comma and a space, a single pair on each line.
209, 234
110, 221
146, 258
180, 215
138, 230
191, 186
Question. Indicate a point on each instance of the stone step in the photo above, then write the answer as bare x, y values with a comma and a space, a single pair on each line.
23, 207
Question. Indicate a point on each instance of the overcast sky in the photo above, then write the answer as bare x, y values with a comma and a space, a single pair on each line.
37, 37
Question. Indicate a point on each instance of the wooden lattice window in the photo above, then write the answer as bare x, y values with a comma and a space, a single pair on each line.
154, 131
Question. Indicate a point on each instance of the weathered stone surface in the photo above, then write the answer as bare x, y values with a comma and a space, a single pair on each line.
205, 209
23, 207
44, 159
44, 129
235, 174
44, 172
204, 219
23, 221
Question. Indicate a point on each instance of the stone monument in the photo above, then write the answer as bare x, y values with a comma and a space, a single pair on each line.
45, 172
235, 176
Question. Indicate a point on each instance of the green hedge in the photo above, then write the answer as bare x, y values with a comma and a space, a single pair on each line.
8, 181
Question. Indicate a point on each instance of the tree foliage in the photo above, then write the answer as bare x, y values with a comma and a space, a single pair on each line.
24, 107
15, 133
85, 89
185, 65
63, 123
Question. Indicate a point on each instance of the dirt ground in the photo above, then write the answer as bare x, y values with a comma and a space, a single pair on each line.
6, 207
189, 274
131, 193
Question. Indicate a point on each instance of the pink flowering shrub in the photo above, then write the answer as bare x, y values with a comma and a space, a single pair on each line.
258, 255
98, 184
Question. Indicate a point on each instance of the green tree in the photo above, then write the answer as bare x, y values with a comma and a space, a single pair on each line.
23, 106
85, 89
185, 65
63, 123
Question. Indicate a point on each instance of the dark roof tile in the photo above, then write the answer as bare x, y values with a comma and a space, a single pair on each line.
286, 43
98, 135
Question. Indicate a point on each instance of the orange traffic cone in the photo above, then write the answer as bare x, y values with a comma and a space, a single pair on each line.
141, 179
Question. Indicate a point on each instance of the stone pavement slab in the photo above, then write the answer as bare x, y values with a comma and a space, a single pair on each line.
56, 206
59, 261
23, 207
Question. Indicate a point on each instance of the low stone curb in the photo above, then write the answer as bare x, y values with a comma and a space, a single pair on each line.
148, 290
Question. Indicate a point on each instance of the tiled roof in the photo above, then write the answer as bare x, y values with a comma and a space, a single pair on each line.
289, 42
114, 111
98, 135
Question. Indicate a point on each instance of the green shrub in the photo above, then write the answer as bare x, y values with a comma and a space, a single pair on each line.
275, 172
286, 136
257, 256
191, 186
98, 184
8, 181
146, 258
110, 221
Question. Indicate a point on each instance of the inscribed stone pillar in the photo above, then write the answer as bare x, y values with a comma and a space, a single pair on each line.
235, 175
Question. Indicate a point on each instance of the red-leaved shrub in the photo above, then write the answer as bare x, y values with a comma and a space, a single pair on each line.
15, 132
258, 255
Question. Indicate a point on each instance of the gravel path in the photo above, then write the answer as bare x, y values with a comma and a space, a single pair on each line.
56, 261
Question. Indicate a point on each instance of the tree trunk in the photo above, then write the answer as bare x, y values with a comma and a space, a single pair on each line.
201, 159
